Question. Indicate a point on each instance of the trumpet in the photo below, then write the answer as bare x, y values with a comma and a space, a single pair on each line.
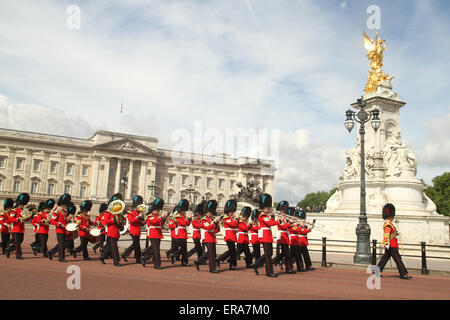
28, 212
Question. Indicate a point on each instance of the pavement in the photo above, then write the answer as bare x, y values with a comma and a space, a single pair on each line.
37, 277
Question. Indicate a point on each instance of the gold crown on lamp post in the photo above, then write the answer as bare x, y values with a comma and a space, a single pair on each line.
375, 50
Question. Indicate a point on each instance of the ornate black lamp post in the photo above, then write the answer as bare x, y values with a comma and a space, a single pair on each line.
124, 182
362, 254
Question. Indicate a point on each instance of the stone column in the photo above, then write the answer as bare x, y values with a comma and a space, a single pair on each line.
102, 190
117, 181
142, 182
59, 188
94, 177
10, 168
28, 171
130, 180
44, 172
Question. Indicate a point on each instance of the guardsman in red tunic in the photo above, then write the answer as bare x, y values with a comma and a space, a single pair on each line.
8, 205
43, 224
197, 230
211, 227
84, 227
242, 236
59, 220
283, 238
171, 223
113, 221
230, 226
266, 221
36, 244
155, 222
134, 218
294, 241
303, 238
71, 235
390, 242
254, 239
182, 222
18, 225
100, 225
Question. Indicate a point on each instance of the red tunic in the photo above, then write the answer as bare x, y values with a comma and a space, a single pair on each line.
113, 228
283, 232
57, 218
294, 235
196, 228
243, 229
303, 235
172, 226
101, 226
42, 228
254, 239
4, 222
265, 224
154, 225
210, 230
17, 227
135, 223
83, 222
230, 225
390, 234
182, 224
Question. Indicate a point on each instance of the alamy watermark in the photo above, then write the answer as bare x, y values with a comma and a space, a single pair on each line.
374, 280
374, 19
73, 21
74, 280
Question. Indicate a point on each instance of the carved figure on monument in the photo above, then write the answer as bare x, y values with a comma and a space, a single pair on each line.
249, 194
335, 200
353, 166
397, 156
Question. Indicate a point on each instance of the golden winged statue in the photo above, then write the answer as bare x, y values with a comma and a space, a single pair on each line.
375, 50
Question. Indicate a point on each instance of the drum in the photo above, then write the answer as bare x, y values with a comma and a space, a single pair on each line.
94, 232
93, 239
72, 231
126, 227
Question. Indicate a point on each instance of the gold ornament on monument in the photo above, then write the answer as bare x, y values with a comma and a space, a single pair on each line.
375, 50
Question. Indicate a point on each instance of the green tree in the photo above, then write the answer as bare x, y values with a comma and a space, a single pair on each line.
316, 199
439, 192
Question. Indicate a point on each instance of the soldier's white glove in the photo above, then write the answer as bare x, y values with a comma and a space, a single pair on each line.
387, 247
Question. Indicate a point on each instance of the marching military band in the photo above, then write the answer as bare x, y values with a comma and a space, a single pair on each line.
249, 227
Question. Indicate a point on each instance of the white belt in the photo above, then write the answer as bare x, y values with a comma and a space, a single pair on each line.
293, 235
209, 230
231, 229
302, 236
195, 229
181, 227
284, 231
154, 227
244, 233
252, 233
265, 228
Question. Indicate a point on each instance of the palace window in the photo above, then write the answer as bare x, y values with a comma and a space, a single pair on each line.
184, 180
53, 167
69, 168
84, 170
36, 165
231, 184
171, 178
169, 198
16, 186
2, 162
51, 188
196, 181
208, 182
265, 187
1, 184
195, 199
67, 188
221, 183
19, 164
82, 191
34, 187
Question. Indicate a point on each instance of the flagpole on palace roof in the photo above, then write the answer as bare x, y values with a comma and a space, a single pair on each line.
121, 112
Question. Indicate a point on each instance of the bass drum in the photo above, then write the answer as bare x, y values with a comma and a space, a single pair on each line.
126, 227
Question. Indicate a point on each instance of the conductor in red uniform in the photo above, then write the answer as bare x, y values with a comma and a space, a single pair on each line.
266, 221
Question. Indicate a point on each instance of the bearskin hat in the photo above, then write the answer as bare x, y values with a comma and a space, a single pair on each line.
283, 206
292, 212
265, 201
230, 206
102, 208
255, 214
158, 204
137, 200
86, 205
49, 204
23, 198
246, 212
65, 199
8, 203
200, 208
211, 206
388, 211
116, 196
41, 206
183, 205
71, 208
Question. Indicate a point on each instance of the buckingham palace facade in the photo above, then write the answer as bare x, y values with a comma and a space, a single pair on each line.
47, 166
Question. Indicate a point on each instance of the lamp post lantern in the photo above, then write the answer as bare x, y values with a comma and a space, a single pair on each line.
124, 182
362, 254
152, 187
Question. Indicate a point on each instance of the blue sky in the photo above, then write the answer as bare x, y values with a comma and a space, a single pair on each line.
288, 65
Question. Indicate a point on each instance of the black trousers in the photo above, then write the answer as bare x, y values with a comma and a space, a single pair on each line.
60, 247
43, 238
231, 252
101, 241
83, 247
182, 244
256, 250
111, 249
296, 256
17, 239
173, 246
284, 253
243, 247
305, 253
148, 252
393, 252
209, 255
69, 245
155, 249
37, 242
266, 258
196, 249
5, 241
135, 246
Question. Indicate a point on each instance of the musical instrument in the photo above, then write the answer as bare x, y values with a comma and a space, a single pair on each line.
93, 235
317, 226
125, 226
399, 237
72, 227
28, 212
